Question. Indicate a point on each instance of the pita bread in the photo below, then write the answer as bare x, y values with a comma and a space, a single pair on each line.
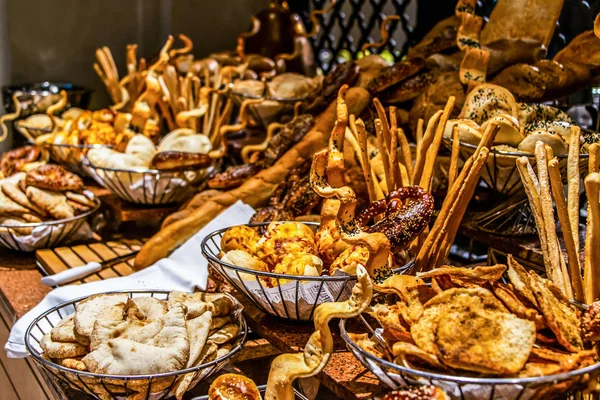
141, 147
54, 203
185, 142
96, 307
10, 207
225, 334
65, 331
209, 353
14, 192
80, 198
108, 158
61, 349
151, 307
197, 331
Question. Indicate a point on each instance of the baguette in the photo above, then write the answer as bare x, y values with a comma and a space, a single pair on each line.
255, 191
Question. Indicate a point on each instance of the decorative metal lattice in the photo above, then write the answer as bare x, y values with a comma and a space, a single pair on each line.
353, 23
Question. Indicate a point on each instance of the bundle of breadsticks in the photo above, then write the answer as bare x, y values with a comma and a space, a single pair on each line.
566, 274
157, 96
434, 247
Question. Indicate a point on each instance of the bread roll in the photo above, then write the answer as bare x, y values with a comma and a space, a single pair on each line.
254, 192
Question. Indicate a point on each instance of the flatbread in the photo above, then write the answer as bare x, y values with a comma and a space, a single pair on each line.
65, 331
54, 203
560, 316
61, 349
197, 331
14, 192
98, 306
520, 280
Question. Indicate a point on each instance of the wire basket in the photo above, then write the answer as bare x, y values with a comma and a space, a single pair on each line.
292, 297
147, 186
102, 386
558, 386
262, 389
28, 237
500, 172
70, 156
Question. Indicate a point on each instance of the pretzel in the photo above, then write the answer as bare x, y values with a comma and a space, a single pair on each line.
385, 35
10, 117
286, 368
568, 234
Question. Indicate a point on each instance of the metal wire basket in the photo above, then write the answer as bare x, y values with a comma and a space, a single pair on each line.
147, 186
500, 172
557, 386
70, 156
292, 297
262, 389
102, 386
28, 237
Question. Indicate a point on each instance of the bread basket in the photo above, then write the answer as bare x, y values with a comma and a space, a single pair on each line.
147, 186
102, 386
70, 156
293, 297
262, 389
557, 386
28, 237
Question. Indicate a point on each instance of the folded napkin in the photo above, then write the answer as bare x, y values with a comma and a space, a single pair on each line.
184, 270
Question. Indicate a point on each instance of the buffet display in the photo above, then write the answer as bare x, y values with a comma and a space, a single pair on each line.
362, 183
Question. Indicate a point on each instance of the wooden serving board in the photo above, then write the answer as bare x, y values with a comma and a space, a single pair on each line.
59, 259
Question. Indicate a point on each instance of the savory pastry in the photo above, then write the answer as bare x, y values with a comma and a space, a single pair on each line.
417, 393
233, 387
285, 238
243, 259
240, 238
53, 177
299, 263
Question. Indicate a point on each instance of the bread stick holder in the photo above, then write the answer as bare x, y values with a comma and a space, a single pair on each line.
103, 386
28, 237
291, 297
558, 386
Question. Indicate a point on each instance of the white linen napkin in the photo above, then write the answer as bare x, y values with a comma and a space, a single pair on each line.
183, 270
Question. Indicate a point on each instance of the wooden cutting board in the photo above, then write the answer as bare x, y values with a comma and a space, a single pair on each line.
59, 259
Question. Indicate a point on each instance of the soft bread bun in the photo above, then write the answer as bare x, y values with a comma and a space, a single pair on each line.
488, 100
243, 259
290, 85
468, 131
554, 140
509, 133
417, 393
108, 158
300, 263
533, 116
141, 147
233, 387
185, 140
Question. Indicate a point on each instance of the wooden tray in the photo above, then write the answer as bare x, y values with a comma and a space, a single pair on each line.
59, 259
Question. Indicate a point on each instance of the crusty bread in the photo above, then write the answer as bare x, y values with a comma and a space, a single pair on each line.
254, 192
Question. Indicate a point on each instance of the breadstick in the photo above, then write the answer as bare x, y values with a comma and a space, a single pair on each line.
423, 146
423, 258
563, 217
362, 131
389, 180
573, 178
552, 258
460, 207
396, 136
594, 160
432, 153
592, 262
393, 156
453, 169
384, 121
488, 136
404, 146
419, 134
361, 136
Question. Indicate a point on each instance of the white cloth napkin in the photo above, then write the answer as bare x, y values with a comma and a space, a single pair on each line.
183, 270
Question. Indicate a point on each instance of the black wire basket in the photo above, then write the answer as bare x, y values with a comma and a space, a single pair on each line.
147, 186
557, 386
28, 237
292, 297
262, 389
102, 386
70, 156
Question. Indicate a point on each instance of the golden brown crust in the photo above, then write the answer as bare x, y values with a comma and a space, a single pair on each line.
53, 177
233, 387
417, 393
178, 160
253, 192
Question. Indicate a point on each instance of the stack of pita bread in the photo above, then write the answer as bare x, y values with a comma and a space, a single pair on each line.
117, 335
